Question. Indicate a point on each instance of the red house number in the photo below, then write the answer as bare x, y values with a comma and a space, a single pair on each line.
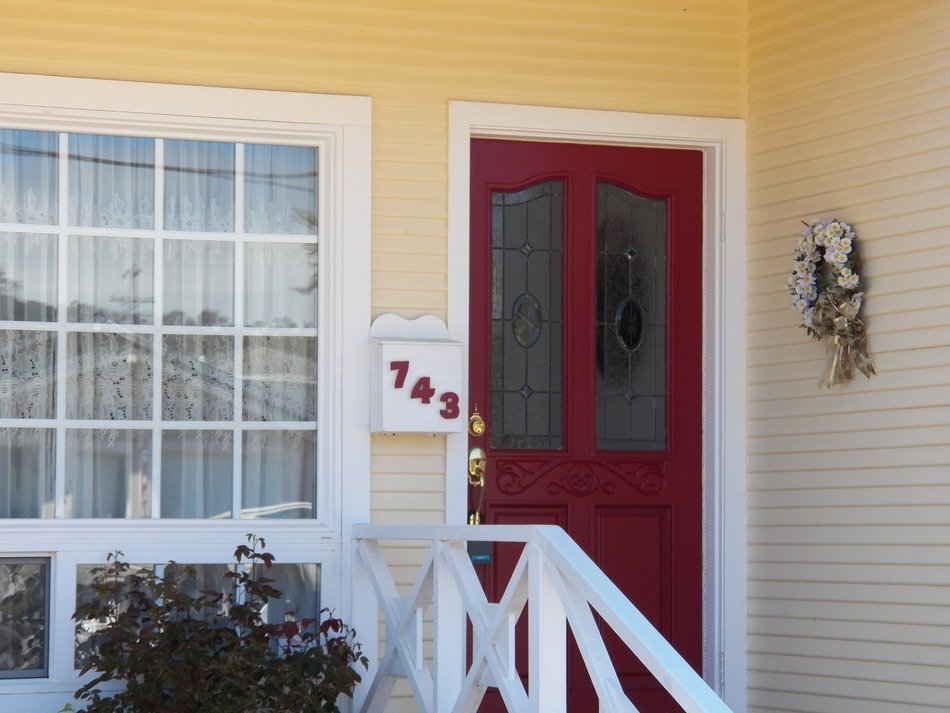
422, 390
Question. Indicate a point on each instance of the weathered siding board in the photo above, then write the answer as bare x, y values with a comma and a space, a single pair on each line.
849, 501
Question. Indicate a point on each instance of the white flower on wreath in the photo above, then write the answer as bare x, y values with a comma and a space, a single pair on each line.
825, 258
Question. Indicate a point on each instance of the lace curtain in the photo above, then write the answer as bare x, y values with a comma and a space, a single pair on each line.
28, 177
113, 306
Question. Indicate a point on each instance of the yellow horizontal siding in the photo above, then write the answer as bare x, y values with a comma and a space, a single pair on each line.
849, 490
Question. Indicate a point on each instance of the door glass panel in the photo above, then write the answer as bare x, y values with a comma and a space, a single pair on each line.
527, 232
631, 321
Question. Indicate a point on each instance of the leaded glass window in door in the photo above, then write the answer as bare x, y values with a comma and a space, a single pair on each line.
631, 321
526, 320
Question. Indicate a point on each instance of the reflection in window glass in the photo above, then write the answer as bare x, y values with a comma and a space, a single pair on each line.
279, 474
28, 277
110, 280
196, 474
24, 613
199, 282
280, 285
85, 594
108, 473
111, 181
109, 376
199, 186
27, 461
280, 189
299, 585
28, 177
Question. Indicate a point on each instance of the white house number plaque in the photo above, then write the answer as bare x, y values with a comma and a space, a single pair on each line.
416, 377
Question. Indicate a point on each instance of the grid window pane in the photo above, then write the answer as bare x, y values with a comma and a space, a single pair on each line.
280, 184
280, 378
279, 474
28, 277
110, 280
28, 177
27, 462
196, 474
199, 186
280, 285
109, 376
199, 283
111, 181
197, 377
108, 473
27, 374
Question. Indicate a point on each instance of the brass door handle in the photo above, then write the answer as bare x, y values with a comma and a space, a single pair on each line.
477, 460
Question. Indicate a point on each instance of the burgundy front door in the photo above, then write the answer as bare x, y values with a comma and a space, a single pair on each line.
586, 364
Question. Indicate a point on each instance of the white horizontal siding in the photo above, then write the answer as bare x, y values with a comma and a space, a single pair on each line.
849, 502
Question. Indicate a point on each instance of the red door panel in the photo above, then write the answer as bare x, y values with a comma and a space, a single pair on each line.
586, 364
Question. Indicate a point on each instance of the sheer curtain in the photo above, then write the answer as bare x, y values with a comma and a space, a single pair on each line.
199, 186
196, 473
198, 283
28, 177
108, 473
111, 181
26, 459
110, 279
28, 277
280, 189
278, 474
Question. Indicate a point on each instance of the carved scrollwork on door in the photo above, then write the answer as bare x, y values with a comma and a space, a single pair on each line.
581, 480
515, 477
578, 478
646, 477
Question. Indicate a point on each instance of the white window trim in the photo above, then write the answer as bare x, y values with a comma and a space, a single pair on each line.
341, 126
724, 344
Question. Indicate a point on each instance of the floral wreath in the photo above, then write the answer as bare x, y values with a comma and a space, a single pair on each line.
827, 292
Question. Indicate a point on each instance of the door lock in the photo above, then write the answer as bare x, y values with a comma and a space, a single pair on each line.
476, 424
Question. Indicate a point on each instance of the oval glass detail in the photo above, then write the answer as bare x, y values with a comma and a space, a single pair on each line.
630, 324
526, 320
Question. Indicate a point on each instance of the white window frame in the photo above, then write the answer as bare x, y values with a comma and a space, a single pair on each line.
340, 126
722, 142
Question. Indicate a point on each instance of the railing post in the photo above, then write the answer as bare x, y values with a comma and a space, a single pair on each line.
449, 630
365, 619
547, 639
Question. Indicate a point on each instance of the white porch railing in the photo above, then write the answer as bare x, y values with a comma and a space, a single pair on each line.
557, 581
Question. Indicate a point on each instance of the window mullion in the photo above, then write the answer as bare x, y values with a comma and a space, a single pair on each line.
62, 373
239, 228
158, 285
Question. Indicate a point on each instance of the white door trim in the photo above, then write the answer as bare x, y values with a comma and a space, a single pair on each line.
724, 265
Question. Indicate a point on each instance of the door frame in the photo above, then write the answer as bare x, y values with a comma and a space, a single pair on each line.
722, 142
